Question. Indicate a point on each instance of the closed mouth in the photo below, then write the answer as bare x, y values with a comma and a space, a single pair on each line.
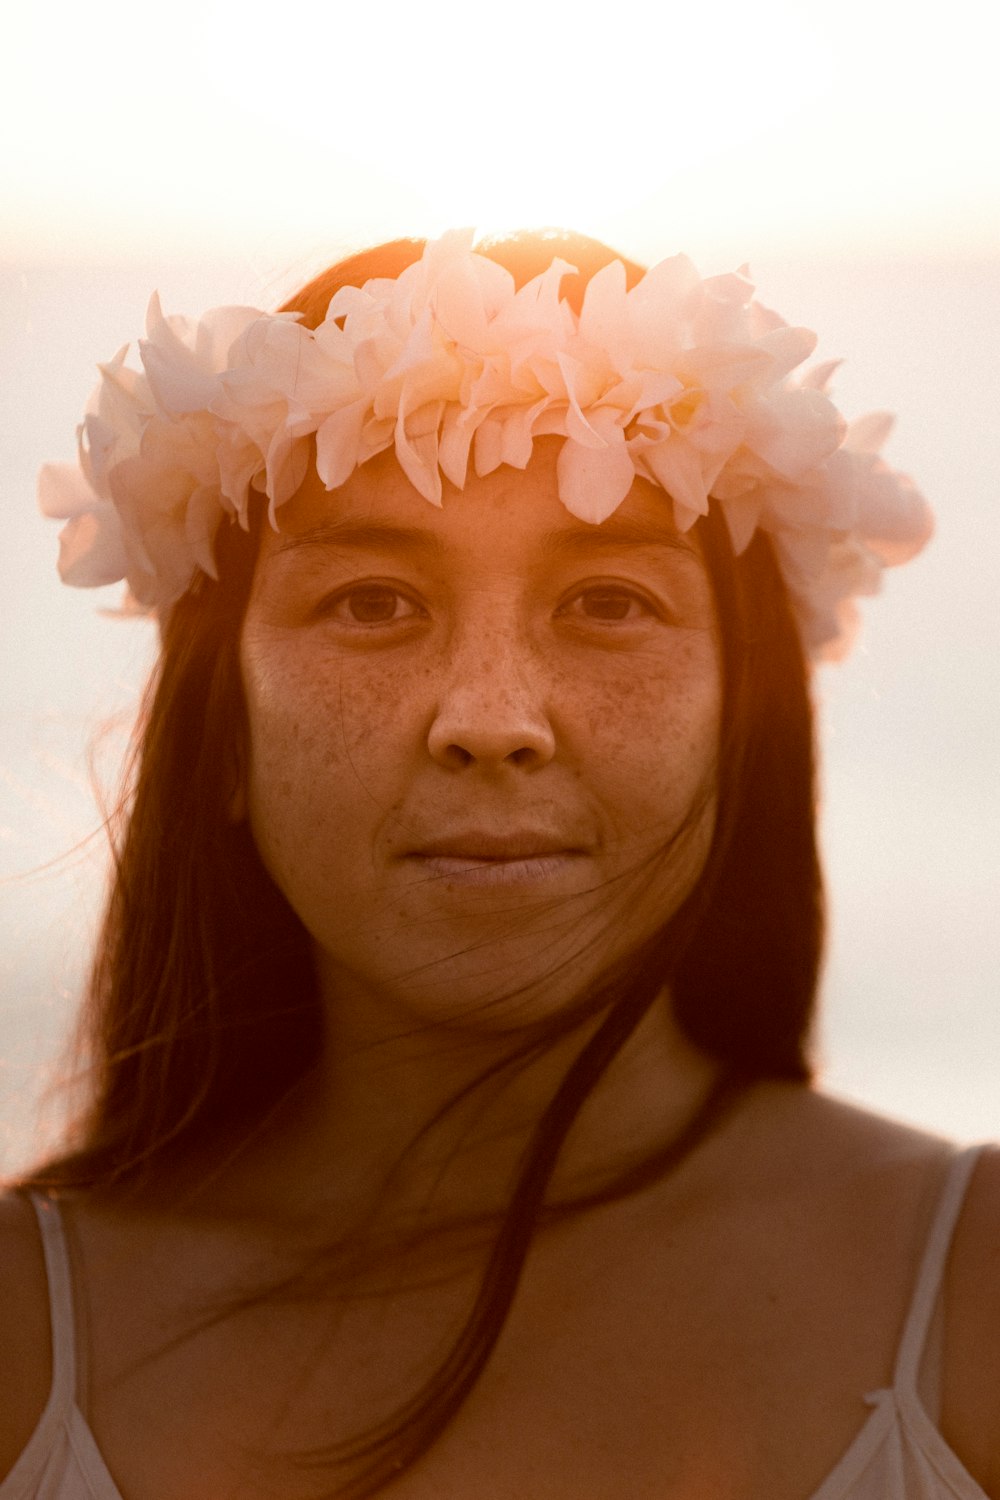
486, 848
497, 870
479, 857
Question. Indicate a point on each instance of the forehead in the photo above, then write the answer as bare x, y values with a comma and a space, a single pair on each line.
516, 511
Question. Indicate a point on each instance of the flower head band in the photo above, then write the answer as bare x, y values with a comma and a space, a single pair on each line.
682, 381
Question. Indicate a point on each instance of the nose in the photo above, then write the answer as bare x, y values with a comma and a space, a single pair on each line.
491, 709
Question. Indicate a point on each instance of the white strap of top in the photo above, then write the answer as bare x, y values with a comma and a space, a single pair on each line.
61, 1317
931, 1274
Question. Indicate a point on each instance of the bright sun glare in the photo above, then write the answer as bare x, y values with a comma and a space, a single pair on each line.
210, 124
503, 116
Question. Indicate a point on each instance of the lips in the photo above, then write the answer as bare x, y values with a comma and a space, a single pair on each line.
485, 846
527, 858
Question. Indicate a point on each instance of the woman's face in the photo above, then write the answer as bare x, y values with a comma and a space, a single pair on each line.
482, 738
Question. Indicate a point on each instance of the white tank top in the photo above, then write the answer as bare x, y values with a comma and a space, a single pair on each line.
898, 1455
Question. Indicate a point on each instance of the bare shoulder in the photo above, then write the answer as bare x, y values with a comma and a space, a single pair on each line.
831, 1139
25, 1367
971, 1406
894, 1174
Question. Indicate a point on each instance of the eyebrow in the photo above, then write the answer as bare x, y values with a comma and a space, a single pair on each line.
616, 531
374, 533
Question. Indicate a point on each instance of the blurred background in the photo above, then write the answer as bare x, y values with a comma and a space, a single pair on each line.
224, 153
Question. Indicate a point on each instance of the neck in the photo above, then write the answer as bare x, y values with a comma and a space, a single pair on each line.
422, 1123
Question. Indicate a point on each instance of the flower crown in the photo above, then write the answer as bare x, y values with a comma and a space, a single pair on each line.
682, 381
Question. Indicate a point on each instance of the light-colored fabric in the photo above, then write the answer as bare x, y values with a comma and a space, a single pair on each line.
898, 1455
61, 1461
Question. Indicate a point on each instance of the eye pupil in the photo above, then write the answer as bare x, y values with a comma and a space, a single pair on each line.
606, 604
372, 606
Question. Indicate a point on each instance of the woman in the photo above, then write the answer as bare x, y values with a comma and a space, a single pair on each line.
451, 1128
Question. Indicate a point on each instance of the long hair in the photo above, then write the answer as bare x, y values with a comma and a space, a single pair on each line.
203, 1009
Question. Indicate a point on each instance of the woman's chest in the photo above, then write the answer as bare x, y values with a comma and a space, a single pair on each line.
629, 1365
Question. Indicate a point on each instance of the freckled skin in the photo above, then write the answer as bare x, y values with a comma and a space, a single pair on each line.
492, 681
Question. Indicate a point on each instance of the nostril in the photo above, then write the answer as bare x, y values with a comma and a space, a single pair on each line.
456, 757
523, 748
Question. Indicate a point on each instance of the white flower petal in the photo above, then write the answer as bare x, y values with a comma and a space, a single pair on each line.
819, 377
867, 434
742, 515
63, 492
417, 457
677, 468
592, 483
201, 522
795, 430
337, 442
91, 552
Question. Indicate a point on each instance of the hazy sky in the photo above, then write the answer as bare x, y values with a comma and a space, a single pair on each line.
207, 122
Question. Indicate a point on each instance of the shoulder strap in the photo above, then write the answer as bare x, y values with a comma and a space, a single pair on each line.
61, 1317
931, 1273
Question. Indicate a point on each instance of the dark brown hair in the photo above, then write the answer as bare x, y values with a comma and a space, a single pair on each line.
203, 1008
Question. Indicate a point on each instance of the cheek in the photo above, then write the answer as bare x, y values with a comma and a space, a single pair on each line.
652, 737
325, 749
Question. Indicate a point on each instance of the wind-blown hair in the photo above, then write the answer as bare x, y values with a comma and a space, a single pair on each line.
203, 1007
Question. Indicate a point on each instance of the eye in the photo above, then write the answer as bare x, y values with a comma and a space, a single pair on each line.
609, 604
370, 604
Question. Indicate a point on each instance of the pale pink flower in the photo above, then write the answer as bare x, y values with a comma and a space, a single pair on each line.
685, 382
